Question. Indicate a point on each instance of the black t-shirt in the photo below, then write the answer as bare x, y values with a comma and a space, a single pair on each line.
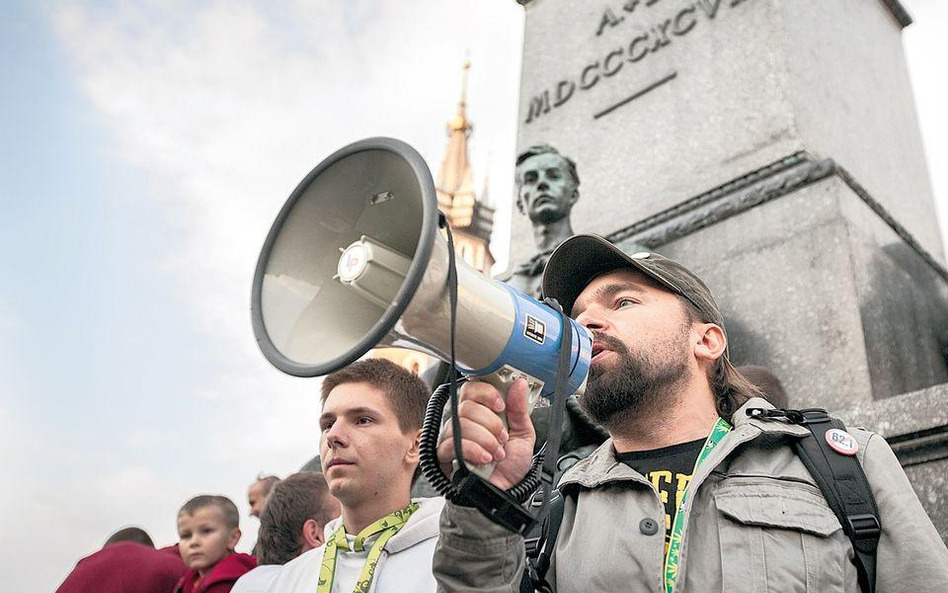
669, 470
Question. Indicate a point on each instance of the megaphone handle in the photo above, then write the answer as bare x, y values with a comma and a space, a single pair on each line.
502, 379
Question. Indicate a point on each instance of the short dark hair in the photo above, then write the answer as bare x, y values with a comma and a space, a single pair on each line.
292, 502
406, 392
731, 388
538, 149
227, 507
130, 534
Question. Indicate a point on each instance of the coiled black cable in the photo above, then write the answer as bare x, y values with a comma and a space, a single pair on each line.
428, 444
428, 454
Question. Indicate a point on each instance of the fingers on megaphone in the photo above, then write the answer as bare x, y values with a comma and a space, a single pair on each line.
482, 430
479, 444
482, 393
484, 413
474, 453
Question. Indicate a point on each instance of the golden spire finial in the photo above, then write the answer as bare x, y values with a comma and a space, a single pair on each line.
459, 121
465, 66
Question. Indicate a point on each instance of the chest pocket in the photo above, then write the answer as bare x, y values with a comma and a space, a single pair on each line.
780, 536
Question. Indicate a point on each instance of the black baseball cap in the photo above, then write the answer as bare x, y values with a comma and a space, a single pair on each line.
581, 258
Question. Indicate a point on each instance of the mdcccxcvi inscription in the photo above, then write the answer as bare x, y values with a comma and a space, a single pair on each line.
667, 24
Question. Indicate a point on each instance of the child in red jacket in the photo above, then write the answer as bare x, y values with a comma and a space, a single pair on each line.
209, 531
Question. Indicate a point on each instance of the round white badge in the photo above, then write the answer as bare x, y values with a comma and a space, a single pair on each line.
841, 441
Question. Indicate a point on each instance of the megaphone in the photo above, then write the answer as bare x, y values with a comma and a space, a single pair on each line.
358, 257
355, 259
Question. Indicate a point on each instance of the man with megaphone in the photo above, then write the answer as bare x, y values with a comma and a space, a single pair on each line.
702, 485
695, 455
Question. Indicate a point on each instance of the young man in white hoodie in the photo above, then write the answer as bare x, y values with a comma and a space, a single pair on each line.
384, 541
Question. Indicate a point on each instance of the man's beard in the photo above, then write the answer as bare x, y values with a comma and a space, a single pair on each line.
637, 387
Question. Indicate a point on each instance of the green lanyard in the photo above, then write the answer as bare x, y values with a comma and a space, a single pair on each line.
386, 526
721, 428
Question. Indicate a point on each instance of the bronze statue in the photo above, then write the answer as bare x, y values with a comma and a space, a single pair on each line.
547, 188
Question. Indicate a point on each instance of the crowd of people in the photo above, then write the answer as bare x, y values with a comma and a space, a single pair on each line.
691, 484
372, 413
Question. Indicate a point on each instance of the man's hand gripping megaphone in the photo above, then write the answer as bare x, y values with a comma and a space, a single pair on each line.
484, 437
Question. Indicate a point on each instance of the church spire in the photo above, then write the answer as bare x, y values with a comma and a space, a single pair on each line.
455, 180
471, 221
459, 122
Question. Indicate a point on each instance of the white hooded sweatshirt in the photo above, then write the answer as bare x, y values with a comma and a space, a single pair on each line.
405, 563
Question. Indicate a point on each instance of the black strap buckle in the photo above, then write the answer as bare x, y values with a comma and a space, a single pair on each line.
864, 526
802, 417
808, 416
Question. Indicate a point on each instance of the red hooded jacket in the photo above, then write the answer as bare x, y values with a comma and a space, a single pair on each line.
126, 567
220, 578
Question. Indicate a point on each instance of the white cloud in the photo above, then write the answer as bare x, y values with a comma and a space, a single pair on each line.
230, 112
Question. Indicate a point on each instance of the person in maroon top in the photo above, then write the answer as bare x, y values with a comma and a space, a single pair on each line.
208, 528
128, 563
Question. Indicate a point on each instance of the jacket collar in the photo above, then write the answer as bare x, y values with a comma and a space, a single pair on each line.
599, 468
603, 466
421, 526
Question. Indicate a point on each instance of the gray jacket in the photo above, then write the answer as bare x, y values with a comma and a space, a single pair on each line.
758, 523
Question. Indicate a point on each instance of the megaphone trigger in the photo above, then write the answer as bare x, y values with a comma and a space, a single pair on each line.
506, 375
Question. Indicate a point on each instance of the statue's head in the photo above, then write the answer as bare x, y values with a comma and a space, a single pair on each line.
547, 184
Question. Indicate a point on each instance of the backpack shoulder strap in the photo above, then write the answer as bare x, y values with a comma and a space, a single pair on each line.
535, 574
843, 482
552, 530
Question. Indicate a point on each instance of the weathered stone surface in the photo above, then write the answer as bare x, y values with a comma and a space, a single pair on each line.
742, 84
817, 287
917, 412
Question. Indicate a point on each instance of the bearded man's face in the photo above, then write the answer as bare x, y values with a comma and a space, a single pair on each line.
641, 347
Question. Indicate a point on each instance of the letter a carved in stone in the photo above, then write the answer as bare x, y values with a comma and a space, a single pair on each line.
608, 18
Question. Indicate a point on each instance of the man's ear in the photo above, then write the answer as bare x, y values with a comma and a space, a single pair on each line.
575, 197
234, 538
413, 452
313, 535
710, 344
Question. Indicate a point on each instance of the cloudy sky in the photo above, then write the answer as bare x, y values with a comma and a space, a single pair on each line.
146, 147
